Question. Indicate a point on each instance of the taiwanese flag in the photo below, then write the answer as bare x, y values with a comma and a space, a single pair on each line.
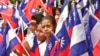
35, 49
51, 45
4, 1
18, 14
22, 17
23, 4
19, 49
2, 41
20, 38
20, 33
61, 32
20, 8
11, 37
78, 45
31, 6
94, 34
70, 22
84, 4
64, 47
8, 15
97, 7
95, 37
49, 9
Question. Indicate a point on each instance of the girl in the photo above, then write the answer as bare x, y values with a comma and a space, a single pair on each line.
40, 36
48, 25
30, 33
57, 14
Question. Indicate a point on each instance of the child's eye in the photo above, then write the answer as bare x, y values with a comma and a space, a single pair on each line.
48, 26
43, 26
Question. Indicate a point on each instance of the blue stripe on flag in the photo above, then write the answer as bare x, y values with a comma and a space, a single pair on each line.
81, 47
92, 22
12, 43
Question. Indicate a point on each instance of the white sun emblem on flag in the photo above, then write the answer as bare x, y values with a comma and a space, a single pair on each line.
70, 19
62, 42
33, 10
49, 46
4, 7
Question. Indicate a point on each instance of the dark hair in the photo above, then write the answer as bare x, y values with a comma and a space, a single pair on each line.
37, 17
59, 9
51, 18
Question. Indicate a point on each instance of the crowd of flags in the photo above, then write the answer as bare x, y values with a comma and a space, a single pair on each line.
77, 32
82, 34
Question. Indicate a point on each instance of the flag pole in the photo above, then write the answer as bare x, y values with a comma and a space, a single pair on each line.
55, 3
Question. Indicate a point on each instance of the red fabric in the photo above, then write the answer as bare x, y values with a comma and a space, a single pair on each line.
49, 10
35, 53
9, 19
7, 15
20, 36
98, 14
20, 49
0, 38
31, 5
56, 20
70, 32
52, 52
65, 52
96, 51
4, 1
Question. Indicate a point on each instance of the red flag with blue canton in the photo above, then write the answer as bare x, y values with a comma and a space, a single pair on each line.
64, 47
49, 9
29, 8
7, 14
51, 46
61, 32
70, 22
4, 1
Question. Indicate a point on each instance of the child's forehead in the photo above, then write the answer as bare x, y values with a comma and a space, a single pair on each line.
39, 26
46, 20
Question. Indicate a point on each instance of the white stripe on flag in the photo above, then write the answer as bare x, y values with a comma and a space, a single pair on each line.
78, 34
11, 35
63, 17
95, 34
85, 54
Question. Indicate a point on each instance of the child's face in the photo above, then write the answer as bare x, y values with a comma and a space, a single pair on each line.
57, 12
47, 27
39, 33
